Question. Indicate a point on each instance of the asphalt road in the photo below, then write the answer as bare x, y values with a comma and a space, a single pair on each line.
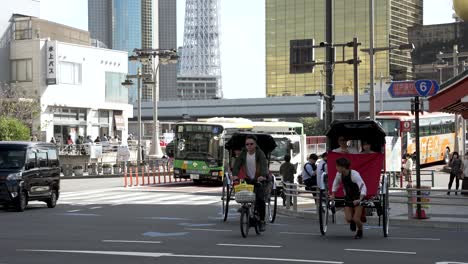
185, 233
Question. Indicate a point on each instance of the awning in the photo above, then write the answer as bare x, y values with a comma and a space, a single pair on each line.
453, 97
119, 122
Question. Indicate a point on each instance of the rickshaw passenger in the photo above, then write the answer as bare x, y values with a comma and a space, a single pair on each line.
255, 165
366, 147
344, 148
355, 190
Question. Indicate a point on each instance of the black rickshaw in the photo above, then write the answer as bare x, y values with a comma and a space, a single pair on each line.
370, 166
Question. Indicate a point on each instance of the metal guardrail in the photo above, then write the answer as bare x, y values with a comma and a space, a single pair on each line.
408, 196
397, 178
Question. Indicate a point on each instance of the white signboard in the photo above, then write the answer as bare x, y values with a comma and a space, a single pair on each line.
51, 60
393, 154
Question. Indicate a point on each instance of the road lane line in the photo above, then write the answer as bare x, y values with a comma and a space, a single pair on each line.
380, 251
208, 229
245, 245
170, 255
95, 207
415, 238
131, 241
74, 211
298, 233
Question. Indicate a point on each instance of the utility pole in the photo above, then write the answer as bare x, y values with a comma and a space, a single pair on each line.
356, 77
371, 60
330, 57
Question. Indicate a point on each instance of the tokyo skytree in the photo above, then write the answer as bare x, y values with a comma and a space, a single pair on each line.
200, 64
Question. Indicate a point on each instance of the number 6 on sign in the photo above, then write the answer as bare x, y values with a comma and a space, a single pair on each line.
423, 87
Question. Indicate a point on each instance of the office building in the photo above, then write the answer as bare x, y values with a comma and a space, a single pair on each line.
200, 64
138, 24
100, 21
292, 24
78, 85
433, 55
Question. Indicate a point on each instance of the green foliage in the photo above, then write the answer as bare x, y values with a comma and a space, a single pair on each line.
15, 103
13, 129
313, 126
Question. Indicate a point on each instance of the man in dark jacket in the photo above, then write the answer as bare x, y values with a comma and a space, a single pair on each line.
255, 165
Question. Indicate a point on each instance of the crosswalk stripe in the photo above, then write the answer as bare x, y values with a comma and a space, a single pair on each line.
113, 196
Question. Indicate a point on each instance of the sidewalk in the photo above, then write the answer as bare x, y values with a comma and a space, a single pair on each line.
440, 216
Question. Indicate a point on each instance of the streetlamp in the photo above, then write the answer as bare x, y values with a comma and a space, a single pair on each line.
154, 58
372, 51
129, 83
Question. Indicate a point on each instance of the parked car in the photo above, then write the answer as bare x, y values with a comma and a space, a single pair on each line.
29, 171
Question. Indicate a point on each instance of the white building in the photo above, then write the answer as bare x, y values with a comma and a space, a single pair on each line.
79, 86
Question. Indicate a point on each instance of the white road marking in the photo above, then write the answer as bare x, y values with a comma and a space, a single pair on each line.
74, 211
380, 251
245, 245
208, 229
158, 255
95, 207
298, 233
131, 241
415, 238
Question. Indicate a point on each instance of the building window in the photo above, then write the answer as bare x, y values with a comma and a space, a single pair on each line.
115, 91
70, 114
69, 73
21, 70
301, 56
22, 29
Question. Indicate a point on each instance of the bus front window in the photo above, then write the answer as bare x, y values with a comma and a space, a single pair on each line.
198, 142
390, 126
282, 148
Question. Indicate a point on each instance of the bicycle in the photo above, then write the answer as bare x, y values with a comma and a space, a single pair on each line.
249, 216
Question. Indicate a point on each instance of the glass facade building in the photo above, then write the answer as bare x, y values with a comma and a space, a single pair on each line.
291, 23
126, 34
131, 26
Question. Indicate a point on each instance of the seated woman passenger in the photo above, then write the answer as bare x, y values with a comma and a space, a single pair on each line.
366, 147
344, 148
354, 189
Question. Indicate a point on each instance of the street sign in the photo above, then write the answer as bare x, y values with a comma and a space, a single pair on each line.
421, 88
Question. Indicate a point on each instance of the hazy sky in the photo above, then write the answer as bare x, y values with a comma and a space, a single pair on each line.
242, 36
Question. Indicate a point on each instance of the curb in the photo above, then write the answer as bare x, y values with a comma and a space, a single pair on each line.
91, 177
395, 222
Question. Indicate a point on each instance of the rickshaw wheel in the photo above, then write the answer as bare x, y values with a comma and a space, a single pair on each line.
385, 209
244, 223
272, 208
323, 212
226, 207
223, 196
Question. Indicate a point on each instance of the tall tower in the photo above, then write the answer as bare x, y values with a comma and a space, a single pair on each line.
200, 69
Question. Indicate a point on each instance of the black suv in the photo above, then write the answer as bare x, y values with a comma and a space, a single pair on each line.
28, 171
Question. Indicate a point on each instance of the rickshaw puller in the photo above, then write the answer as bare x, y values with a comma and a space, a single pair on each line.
355, 191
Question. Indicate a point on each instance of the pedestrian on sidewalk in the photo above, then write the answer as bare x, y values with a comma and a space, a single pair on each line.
455, 172
465, 175
408, 168
287, 171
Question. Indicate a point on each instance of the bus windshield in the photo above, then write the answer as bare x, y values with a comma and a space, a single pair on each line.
198, 142
11, 158
282, 148
390, 126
